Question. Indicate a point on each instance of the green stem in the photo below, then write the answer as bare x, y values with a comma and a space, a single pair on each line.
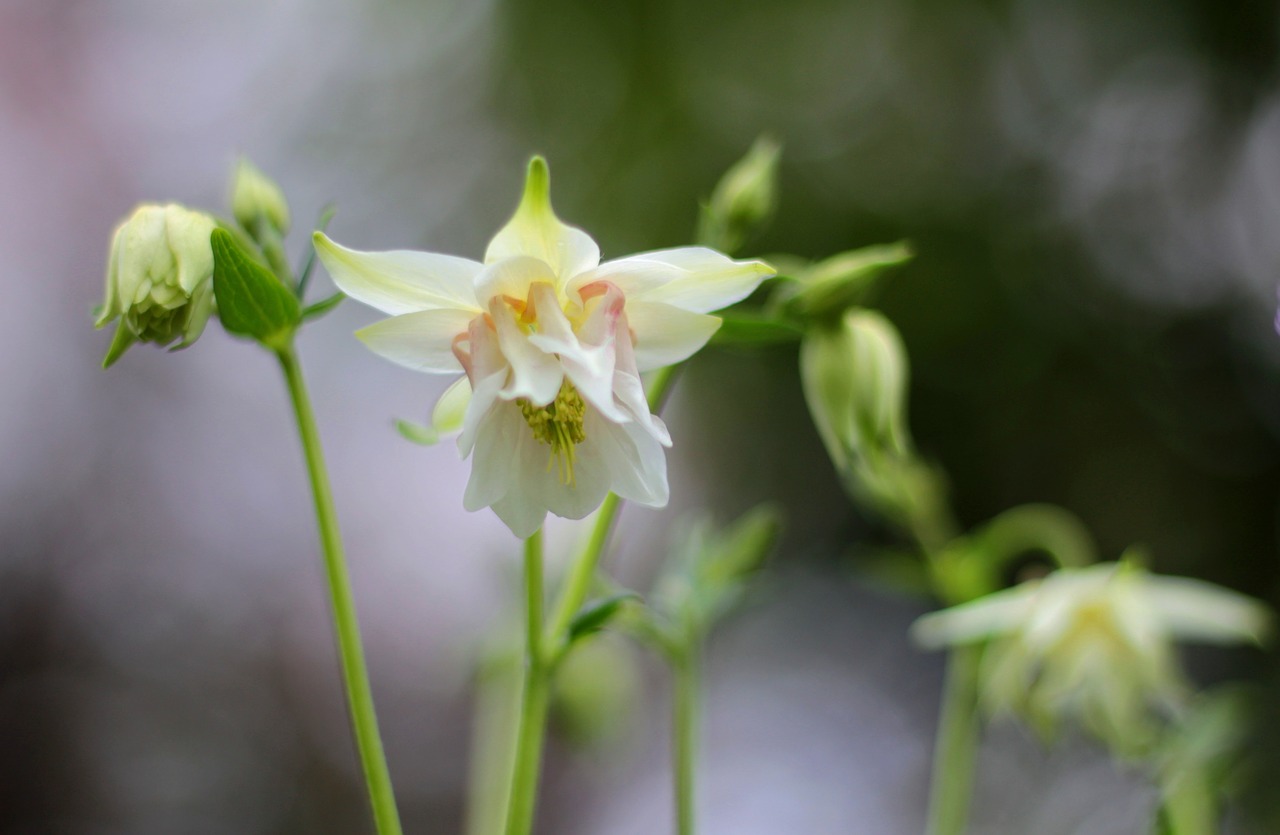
355, 675
955, 746
533, 705
578, 584
686, 668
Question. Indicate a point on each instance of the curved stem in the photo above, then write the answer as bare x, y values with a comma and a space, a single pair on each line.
355, 674
533, 706
955, 745
686, 667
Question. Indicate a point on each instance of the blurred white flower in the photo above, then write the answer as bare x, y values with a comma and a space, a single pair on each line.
159, 278
552, 343
1094, 644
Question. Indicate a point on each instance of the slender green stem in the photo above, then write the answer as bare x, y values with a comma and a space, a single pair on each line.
355, 675
583, 571
578, 584
686, 668
533, 706
955, 746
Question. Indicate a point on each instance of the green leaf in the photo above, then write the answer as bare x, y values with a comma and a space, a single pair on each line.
251, 301
596, 615
417, 433
320, 308
751, 328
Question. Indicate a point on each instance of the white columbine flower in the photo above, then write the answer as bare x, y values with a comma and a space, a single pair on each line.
552, 343
1095, 644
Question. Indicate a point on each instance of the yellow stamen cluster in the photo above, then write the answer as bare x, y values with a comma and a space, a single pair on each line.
558, 425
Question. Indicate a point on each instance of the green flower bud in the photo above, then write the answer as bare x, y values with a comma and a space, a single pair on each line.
855, 382
159, 278
744, 199
255, 197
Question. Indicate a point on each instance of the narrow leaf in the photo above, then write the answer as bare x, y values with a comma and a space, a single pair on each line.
320, 308
596, 615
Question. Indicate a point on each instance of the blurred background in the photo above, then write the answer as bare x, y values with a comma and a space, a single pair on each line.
1093, 190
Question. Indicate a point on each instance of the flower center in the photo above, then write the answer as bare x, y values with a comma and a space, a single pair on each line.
558, 425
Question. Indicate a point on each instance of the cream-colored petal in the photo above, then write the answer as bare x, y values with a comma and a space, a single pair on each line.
511, 278
401, 281
969, 623
496, 449
535, 231
1199, 611
636, 462
692, 278
422, 341
665, 335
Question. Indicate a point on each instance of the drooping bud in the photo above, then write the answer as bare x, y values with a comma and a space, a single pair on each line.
855, 382
255, 198
743, 200
159, 278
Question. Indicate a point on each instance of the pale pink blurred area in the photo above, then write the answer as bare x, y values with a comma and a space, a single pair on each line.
166, 656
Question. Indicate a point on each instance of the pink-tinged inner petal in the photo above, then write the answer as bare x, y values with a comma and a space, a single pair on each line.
487, 369
535, 374
586, 356
628, 388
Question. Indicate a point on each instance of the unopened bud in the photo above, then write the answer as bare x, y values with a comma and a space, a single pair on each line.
159, 278
255, 197
855, 382
744, 199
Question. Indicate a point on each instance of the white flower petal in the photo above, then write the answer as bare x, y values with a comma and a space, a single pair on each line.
665, 335
400, 281
497, 447
450, 410
969, 623
692, 278
422, 341
535, 231
535, 374
636, 462
1199, 611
